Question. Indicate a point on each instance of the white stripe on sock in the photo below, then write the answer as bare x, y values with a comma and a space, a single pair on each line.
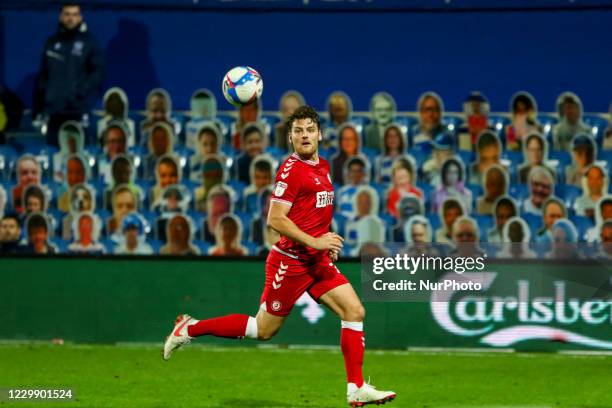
356, 326
251, 328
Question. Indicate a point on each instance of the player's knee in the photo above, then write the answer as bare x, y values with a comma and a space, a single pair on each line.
355, 314
266, 334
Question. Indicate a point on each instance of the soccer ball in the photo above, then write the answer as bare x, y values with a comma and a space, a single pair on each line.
242, 85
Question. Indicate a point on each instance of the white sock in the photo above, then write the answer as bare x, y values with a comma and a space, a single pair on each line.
355, 326
251, 328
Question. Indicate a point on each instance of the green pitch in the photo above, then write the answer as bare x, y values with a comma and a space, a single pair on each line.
129, 376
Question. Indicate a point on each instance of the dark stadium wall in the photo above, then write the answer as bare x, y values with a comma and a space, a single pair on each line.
499, 53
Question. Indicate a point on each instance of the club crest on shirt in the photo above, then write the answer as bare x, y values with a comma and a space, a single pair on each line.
77, 48
280, 188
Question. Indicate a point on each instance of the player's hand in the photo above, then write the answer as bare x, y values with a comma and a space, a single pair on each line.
328, 242
333, 256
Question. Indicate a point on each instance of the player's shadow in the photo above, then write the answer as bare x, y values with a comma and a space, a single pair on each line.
251, 403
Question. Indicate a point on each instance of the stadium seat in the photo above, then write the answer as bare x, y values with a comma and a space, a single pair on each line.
568, 194
563, 157
485, 223
499, 122
582, 223
519, 192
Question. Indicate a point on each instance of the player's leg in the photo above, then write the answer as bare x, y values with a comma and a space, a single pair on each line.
284, 285
343, 301
236, 326
334, 291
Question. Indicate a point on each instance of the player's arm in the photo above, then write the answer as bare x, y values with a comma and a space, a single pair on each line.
278, 220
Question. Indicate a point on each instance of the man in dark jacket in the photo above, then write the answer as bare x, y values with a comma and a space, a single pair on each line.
71, 73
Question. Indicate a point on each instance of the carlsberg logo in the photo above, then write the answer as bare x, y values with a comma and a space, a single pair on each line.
539, 317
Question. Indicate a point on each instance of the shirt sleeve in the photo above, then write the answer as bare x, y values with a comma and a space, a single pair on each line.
286, 184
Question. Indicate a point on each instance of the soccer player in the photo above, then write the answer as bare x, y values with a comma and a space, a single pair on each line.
301, 210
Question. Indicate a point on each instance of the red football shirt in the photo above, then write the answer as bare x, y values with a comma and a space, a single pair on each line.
306, 187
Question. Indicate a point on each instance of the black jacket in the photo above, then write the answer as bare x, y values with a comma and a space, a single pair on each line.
71, 72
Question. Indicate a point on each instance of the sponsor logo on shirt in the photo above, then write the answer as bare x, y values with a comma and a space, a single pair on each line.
325, 198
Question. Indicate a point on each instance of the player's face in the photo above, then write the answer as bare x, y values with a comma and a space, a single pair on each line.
75, 172
208, 144
115, 143
28, 172
304, 137
552, 214
167, 175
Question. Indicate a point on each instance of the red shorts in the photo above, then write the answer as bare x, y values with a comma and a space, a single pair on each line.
288, 278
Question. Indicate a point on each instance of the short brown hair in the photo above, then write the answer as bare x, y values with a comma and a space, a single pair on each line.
303, 112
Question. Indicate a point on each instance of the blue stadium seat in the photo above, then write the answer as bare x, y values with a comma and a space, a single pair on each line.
582, 224
519, 192
452, 122
251, 247
155, 245
434, 221
568, 194
499, 122
246, 219
485, 223
271, 120
606, 156
534, 221
563, 157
